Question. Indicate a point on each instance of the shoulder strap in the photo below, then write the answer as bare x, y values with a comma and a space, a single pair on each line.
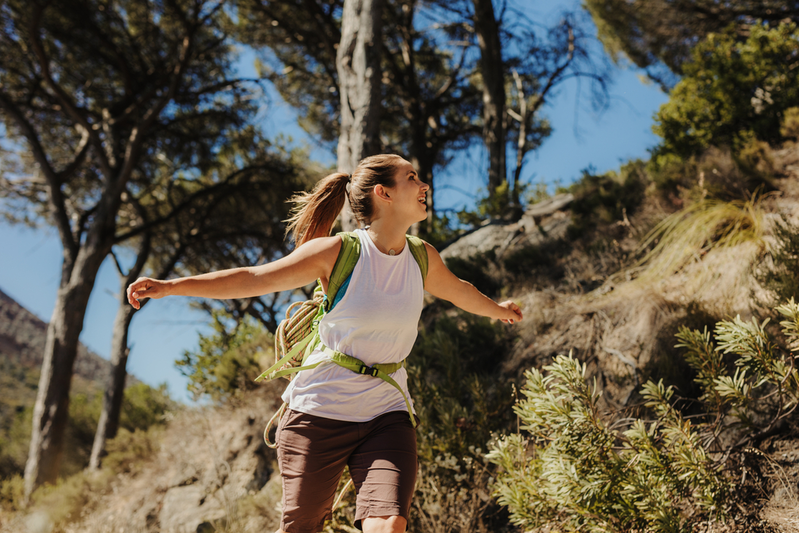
419, 252
345, 263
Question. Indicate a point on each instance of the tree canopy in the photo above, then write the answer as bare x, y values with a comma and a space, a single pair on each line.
658, 35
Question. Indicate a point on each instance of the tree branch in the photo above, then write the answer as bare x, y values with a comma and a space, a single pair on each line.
80, 155
188, 201
55, 195
67, 103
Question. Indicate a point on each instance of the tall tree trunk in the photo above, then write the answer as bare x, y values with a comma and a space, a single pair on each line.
108, 424
359, 74
51, 410
493, 74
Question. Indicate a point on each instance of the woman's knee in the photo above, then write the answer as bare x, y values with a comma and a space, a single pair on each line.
384, 524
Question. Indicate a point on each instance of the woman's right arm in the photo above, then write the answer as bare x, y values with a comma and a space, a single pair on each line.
312, 260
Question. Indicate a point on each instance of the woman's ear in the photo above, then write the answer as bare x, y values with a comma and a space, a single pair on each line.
382, 193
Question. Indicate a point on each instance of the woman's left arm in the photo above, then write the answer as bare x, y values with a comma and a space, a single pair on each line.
443, 284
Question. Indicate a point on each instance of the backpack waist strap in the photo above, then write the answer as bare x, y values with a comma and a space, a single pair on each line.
379, 370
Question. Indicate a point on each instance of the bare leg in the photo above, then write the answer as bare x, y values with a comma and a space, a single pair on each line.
384, 524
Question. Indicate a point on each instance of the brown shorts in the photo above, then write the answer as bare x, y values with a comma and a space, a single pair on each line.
312, 452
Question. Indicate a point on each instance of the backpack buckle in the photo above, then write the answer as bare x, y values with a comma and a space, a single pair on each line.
368, 370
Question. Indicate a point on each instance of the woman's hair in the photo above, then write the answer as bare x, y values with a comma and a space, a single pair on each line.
315, 212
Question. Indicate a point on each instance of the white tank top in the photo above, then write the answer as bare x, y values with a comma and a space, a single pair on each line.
376, 321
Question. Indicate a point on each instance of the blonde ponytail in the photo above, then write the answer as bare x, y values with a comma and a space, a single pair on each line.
314, 213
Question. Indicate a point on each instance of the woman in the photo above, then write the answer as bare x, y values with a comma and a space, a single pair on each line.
337, 417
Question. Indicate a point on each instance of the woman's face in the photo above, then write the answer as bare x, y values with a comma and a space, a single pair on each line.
409, 194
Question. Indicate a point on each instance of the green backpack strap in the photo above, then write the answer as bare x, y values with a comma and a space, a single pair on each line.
419, 252
345, 263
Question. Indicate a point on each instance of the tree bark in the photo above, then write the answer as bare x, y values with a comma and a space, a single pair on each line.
108, 424
51, 410
493, 74
359, 72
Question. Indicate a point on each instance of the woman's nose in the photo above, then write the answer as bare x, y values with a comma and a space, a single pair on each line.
425, 186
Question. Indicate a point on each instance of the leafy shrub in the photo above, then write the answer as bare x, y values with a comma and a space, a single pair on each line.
501, 205
765, 386
729, 88
129, 449
12, 491
524, 261
581, 473
717, 173
790, 123
64, 502
604, 199
227, 361
778, 272
144, 406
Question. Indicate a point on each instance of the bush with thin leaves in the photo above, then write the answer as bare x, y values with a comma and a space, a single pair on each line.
577, 471
764, 387
228, 361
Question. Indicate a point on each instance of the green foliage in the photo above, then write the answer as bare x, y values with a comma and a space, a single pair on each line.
658, 35
129, 448
765, 385
501, 204
574, 469
227, 362
537, 192
578, 472
779, 272
790, 123
718, 173
604, 199
11, 493
64, 502
144, 406
75, 494
729, 91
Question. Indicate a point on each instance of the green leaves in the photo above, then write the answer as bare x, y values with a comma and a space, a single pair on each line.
227, 361
581, 473
731, 87
659, 475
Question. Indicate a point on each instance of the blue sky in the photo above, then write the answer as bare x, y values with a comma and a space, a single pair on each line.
30, 260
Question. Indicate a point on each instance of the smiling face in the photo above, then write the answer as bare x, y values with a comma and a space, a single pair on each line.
409, 194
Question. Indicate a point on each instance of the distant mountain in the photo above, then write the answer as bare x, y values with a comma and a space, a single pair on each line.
22, 338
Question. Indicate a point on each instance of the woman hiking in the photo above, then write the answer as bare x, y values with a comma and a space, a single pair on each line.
335, 416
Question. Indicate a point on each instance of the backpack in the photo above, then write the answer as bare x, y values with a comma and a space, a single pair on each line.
298, 335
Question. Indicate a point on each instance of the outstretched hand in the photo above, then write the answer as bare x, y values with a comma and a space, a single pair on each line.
145, 288
514, 312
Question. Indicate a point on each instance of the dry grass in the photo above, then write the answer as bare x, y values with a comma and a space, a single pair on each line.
690, 234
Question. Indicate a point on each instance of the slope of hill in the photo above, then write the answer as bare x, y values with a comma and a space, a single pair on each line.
22, 337
212, 472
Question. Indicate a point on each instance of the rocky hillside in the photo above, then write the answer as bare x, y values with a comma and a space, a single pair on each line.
22, 337
210, 471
